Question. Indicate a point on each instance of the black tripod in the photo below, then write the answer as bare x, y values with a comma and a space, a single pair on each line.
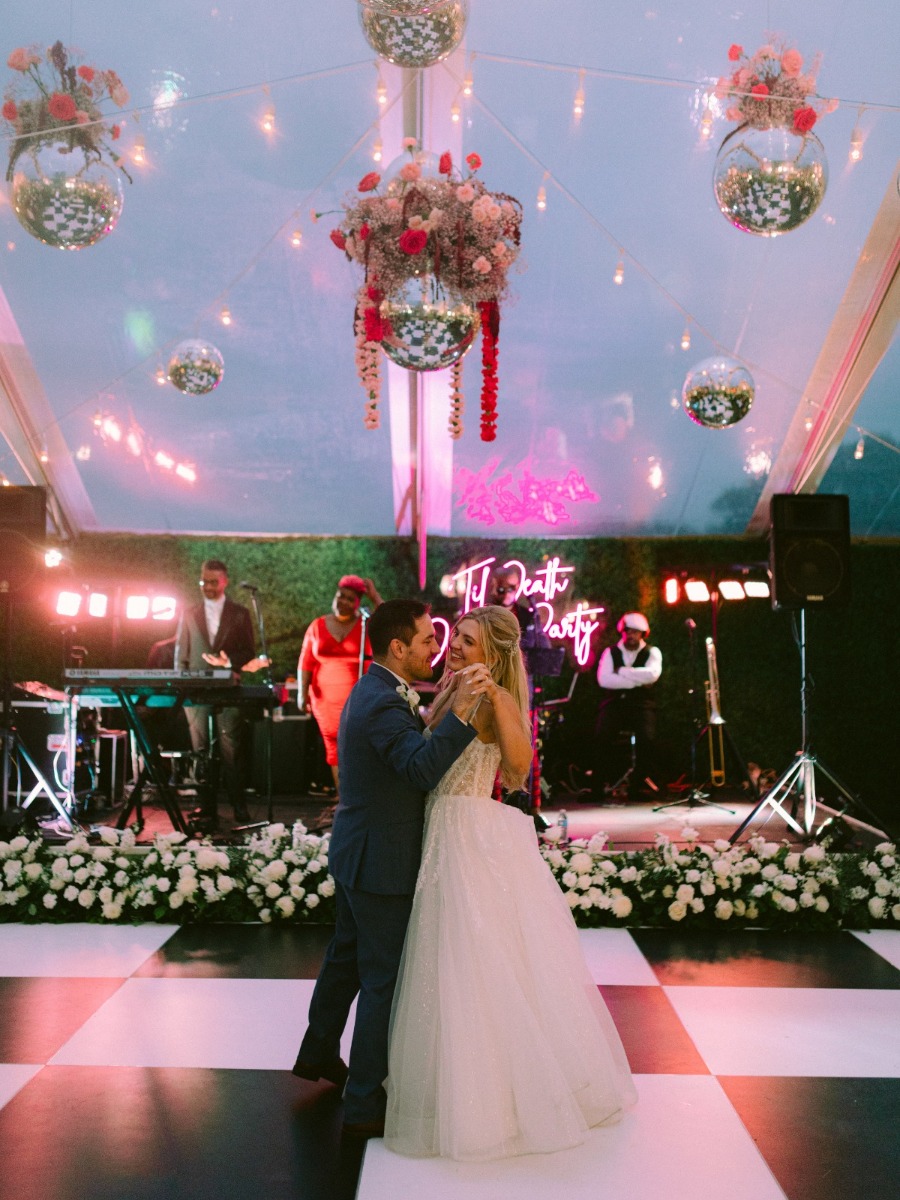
802, 771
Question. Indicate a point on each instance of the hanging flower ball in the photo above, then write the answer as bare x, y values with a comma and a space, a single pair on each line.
426, 335
64, 197
196, 367
417, 37
718, 392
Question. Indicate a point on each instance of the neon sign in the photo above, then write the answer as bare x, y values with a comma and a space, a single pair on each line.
552, 580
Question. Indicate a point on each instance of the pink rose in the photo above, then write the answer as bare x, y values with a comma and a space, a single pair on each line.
734, 52
10, 111
465, 192
473, 161
792, 63
410, 172
412, 241
445, 166
20, 60
369, 182
804, 119
481, 265
61, 107
409, 143
82, 117
86, 73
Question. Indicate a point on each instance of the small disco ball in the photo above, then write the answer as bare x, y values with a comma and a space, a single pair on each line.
195, 367
717, 393
64, 198
769, 181
415, 39
427, 336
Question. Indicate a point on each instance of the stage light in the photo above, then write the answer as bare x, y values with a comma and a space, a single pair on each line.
163, 608
52, 558
296, 238
68, 604
98, 604
697, 591
730, 589
137, 607
671, 590
164, 460
133, 442
183, 471
756, 589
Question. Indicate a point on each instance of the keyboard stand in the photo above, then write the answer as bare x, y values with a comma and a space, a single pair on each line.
153, 771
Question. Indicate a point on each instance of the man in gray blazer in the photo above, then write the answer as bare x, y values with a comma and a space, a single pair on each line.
387, 767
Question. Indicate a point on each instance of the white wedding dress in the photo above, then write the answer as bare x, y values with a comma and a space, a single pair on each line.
500, 1042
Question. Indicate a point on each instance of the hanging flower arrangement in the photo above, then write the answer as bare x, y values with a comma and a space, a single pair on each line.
771, 171
436, 252
64, 172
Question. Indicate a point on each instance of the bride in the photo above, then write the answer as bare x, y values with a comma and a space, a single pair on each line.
500, 1042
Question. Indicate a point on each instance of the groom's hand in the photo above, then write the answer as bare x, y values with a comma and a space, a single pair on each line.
471, 685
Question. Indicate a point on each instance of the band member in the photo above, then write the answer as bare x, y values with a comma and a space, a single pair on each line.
627, 674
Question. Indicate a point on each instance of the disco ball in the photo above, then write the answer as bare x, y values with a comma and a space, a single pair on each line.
769, 181
415, 39
718, 392
427, 336
195, 367
64, 198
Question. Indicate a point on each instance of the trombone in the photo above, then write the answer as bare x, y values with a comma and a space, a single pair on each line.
715, 722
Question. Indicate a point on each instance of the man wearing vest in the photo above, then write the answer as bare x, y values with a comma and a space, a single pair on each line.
627, 674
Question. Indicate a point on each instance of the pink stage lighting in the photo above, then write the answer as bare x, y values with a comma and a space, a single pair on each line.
68, 604
730, 589
756, 589
163, 608
98, 604
137, 607
697, 591
671, 590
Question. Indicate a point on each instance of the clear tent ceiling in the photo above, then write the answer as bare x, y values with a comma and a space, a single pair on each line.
592, 438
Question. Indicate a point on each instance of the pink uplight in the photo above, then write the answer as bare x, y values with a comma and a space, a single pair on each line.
68, 604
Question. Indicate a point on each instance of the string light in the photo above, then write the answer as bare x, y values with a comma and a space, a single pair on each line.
686, 338
267, 124
381, 91
455, 112
578, 106
161, 377
377, 149
225, 316
856, 143
467, 83
184, 471
83, 453
860, 449
296, 238
44, 457
542, 193
808, 424
620, 272
4, 481
138, 151
133, 442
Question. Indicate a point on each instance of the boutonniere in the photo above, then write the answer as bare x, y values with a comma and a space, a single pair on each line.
410, 695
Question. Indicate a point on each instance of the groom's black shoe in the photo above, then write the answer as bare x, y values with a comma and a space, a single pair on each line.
335, 1071
364, 1129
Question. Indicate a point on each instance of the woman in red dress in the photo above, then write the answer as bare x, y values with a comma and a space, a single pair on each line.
329, 660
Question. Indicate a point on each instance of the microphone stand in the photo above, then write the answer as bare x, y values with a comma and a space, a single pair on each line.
364, 615
267, 678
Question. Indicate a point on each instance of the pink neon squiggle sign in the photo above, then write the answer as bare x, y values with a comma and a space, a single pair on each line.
518, 495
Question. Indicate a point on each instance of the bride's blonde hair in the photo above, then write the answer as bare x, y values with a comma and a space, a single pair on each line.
500, 633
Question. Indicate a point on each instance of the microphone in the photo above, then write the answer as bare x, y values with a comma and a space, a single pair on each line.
364, 612
251, 587
690, 624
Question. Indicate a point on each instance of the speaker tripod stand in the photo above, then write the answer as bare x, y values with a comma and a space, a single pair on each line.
799, 777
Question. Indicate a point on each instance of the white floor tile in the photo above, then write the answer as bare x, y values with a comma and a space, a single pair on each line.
613, 957
682, 1140
79, 951
822, 1032
885, 942
13, 1078
249, 1024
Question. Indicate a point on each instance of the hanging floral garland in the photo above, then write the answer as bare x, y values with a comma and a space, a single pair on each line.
454, 242
457, 402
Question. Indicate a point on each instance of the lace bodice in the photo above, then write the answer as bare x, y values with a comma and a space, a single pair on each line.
473, 772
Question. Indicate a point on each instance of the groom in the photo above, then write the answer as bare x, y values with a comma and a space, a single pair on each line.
387, 766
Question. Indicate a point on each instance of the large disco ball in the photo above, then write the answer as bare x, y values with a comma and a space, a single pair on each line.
64, 198
415, 39
426, 335
769, 181
196, 367
718, 392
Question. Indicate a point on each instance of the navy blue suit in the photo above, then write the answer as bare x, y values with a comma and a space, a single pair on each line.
387, 767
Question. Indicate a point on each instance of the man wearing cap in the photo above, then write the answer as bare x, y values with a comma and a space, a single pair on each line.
627, 674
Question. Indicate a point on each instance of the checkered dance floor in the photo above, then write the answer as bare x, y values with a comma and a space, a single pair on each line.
151, 1062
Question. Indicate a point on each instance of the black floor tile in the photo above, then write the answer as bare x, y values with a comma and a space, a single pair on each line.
824, 1139
241, 952
654, 1038
761, 958
128, 1133
37, 1016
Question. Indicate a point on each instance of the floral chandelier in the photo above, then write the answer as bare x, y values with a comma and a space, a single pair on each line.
65, 176
771, 171
436, 248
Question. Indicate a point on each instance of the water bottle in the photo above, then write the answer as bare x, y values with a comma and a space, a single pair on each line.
563, 822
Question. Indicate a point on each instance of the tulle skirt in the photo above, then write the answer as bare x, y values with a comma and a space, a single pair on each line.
500, 1042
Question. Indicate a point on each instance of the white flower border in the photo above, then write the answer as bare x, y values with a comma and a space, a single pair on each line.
281, 875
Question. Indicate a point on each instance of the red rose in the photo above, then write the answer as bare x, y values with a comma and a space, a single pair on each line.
734, 52
474, 161
759, 90
804, 119
338, 238
62, 107
86, 73
445, 166
10, 111
412, 241
374, 330
115, 132
364, 232
369, 182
